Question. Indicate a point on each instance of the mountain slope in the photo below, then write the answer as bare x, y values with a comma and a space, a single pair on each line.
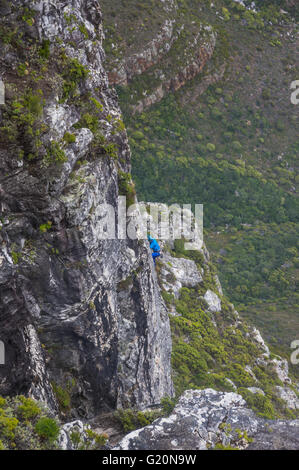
227, 139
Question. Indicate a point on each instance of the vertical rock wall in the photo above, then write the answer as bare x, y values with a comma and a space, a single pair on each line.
73, 336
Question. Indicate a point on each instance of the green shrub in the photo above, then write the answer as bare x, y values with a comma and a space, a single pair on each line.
88, 440
45, 227
69, 138
83, 30
138, 135
236, 145
63, 397
216, 113
168, 405
47, 428
16, 256
211, 147
8, 425
18, 418
2, 402
55, 154
126, 187
89, 121
29, 408
259, 403
44, 51
94, 440
74, 72
167, 297
132, 419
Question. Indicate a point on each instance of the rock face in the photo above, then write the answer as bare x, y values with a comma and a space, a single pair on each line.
213, 301
67, 322
179, 272
289, 396
206, 419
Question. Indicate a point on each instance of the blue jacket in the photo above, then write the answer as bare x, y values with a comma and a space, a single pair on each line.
154, 245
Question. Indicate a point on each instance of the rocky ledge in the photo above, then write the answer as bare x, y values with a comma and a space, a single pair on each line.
207, 419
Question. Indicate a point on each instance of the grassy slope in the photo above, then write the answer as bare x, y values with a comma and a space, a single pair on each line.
248, 174
215, 350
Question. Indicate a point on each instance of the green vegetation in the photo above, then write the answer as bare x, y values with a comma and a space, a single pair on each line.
28, 409
25, 424
55, 153
90, 440
16, 256
259, 272
89, 121
22, 123
73, 73
208, 350
259, 403
63, 396
126, 187
45, 227
69, 138
47, 429
168, 405
44, 51
232, 189
133, 419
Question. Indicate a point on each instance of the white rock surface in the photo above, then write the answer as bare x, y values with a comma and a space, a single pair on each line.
213, 301
203, 419
256, 390
179, 272
289, 396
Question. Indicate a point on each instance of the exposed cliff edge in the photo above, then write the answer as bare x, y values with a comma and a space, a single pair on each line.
67, 324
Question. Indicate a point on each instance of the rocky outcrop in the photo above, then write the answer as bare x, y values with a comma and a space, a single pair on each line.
213, 301
64, 440
202, 51
207, 419
139, 62
178, 273
66, 321
289, 396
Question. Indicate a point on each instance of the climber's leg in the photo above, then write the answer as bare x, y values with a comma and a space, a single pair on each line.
155, 255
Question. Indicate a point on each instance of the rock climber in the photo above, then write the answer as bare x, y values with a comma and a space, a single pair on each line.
155, 247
